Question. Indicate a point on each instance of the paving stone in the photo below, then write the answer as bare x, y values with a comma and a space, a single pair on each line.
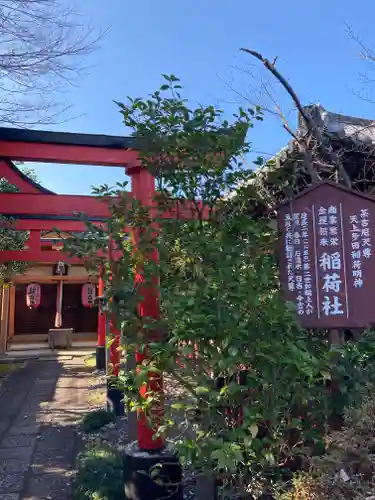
53, 486
19, 441
11, 483
38, 440
22, 453
53, 438
13, 466
9, 496
52, 459
23, 429
26, 422
4, 424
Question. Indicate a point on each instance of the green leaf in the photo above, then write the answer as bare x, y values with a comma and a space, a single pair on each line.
233, 351
201, 390
254, 430
178, 406
326, 375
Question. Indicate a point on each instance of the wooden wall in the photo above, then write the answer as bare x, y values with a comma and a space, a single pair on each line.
42, 273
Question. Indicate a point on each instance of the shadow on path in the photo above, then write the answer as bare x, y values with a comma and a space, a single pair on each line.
40, 407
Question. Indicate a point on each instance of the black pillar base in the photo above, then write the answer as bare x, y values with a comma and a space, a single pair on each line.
100, 357
115, 401
144, 470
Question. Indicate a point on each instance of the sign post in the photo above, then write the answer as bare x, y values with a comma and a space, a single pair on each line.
327, 262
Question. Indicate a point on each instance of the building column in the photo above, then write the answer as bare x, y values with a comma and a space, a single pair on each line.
59, 298
12, 311
4, 320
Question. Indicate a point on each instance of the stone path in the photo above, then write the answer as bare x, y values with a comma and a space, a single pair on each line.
40, 406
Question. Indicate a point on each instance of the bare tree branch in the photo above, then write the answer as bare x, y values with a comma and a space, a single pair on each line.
304, 143
282, 80
314, 148
43, 47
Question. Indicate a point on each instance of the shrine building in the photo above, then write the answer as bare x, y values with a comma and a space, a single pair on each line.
61, 287
55, 292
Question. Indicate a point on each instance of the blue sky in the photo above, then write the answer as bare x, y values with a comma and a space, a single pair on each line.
198, 41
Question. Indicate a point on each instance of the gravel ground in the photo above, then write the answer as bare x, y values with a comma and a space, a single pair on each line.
116, 434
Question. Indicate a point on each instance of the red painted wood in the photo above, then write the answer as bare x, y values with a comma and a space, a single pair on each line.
59, 153
13, 177
36, 204
102, 317
143, 188
65, 205
114, 353
37, 256
50, 225
33, 243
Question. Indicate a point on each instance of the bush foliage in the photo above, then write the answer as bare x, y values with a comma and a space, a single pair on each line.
99, 475
97, 419
10, 239
258, 385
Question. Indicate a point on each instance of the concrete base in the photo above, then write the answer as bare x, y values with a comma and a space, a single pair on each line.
114, 401
100, 357
152, 475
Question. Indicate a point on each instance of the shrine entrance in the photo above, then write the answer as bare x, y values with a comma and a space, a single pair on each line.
33, 324
74, 314
35, 321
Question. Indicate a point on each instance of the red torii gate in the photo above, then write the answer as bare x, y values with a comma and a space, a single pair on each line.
37, 212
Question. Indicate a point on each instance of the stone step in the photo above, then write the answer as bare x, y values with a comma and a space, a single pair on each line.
44, 345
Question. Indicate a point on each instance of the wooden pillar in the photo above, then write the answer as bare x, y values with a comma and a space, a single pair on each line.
33, 242
336, 419
102, 320
1, 316
143, 188
115, 335
59, 299
4, 320
12, 310
101, 316
115, 395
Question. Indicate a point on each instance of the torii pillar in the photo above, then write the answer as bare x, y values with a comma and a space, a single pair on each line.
101, 344
148, 451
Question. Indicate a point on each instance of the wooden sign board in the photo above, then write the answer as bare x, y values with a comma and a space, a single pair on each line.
327, 261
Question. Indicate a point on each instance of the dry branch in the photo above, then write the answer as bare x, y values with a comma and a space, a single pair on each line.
43, 47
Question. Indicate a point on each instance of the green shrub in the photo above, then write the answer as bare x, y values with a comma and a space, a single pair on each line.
95, 420
6, 368
99, 475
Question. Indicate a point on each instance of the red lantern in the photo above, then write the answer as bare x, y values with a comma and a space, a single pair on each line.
88, 295
33, 295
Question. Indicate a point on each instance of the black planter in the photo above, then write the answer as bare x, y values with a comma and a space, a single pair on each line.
152, 475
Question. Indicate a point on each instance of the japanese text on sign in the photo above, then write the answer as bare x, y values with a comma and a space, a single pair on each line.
297, 254
331, 282
360, 241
